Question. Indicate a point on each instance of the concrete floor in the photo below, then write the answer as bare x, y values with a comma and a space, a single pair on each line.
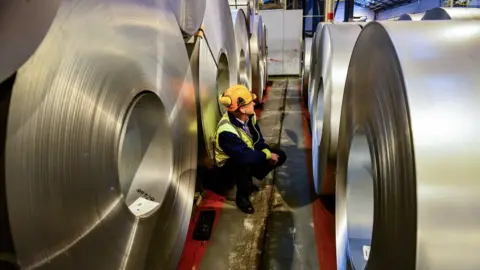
291, 242
291, 228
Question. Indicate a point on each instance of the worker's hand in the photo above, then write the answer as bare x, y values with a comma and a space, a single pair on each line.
275, 158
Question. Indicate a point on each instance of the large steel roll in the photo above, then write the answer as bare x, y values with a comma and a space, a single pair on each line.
442, 13
265, 52
334, 51
411, 17
189, 14
219, 32
23, 25
101, 141
214, 79
407, 172
305, 67
242, 48
257, 59
250, 7
314, 68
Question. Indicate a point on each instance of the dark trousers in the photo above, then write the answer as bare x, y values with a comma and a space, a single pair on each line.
241, 174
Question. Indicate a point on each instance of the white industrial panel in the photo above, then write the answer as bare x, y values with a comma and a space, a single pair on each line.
273, 20
292, 41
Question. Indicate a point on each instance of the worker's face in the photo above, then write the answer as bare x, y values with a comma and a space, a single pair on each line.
248, 109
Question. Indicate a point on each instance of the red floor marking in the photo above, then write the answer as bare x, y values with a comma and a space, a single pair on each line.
193, 250
323, 221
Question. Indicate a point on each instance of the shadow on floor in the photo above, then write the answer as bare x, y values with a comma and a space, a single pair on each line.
279, 251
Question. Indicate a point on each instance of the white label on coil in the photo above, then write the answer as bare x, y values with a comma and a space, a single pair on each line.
366, 252
141, 206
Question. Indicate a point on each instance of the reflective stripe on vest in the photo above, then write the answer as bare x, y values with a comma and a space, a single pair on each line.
226, 126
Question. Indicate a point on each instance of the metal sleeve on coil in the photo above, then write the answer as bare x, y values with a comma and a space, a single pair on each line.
242, 48
442, 13
23, 25
407, 167
189, 14
334, 50
257, 59
305, 72
411, 17
67, 147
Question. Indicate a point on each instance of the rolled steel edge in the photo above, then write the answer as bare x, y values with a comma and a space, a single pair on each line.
407, 167
334, 51
67, 134
305, 68
457, 13
189, 14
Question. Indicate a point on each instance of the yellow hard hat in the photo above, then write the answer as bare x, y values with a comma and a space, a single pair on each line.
236, 97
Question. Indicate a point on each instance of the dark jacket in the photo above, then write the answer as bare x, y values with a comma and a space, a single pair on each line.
238, 150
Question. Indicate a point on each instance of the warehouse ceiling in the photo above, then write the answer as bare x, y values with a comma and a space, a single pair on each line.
380, 5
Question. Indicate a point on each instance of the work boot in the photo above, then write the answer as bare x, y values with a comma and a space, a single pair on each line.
252, 187
244, 204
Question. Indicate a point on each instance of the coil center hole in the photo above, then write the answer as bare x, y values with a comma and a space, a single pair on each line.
359, 201
223, 78
242, 72
146, 154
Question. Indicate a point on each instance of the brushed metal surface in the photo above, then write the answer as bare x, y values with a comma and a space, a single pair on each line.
315, 68
104, 67
242, 48
213, 78
457, 13
411, 17
305, 67
420, 147
220, 36
257, 59
23, 25
204, 70
334, 51
250, 7
265, 51
189, 14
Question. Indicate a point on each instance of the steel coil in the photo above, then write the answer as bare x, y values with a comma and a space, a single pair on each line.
257, 59
411, 17
442, 13
189, 14
219, 32
407, 167
204, 70
334, 50
101, 141
314, 68
305, 67
242, 48
250, 7
23, 25
265, 53
214, 79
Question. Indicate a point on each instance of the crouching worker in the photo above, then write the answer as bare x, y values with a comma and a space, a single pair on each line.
240, 150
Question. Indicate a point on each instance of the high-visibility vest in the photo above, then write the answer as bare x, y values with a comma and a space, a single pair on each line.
224, 125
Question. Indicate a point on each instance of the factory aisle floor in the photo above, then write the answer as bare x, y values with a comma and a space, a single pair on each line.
291, 227
300, 231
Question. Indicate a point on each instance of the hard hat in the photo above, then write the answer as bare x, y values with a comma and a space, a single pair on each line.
236, 97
